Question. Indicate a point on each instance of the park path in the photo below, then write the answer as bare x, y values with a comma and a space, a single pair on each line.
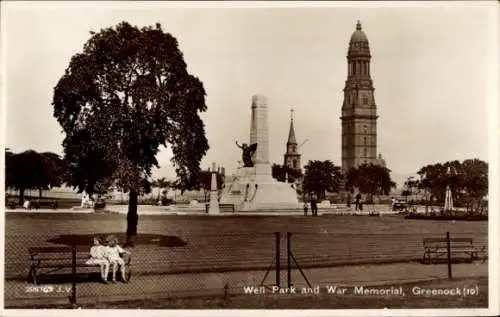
17, 293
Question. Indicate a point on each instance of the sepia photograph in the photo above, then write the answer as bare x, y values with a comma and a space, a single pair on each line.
250, 156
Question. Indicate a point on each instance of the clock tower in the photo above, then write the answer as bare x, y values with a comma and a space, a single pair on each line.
359, 111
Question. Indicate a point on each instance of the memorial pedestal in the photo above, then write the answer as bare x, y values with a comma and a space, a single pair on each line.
251, 190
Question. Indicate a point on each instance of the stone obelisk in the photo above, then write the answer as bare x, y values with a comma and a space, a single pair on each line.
213, 208
259, 133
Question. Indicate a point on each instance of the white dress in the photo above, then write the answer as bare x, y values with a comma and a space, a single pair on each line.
97, 257
113, 253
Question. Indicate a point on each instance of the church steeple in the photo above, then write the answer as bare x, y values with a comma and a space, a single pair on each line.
291, 133
292, 156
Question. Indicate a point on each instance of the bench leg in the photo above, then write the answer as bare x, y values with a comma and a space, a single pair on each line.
32, 276
485, 257
472, 257
427, 258
128, 274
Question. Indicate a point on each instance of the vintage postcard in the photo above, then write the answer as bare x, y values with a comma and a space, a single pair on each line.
223, 158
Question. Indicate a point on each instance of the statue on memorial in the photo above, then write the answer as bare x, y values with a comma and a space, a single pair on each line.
247, 152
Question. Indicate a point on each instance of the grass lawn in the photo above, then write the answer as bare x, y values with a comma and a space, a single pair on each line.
168, 244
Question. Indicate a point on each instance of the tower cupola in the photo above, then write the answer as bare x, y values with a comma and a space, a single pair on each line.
358, 45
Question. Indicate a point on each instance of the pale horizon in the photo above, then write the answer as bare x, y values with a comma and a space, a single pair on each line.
430, 68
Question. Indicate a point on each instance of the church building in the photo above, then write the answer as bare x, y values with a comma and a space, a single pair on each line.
359, 110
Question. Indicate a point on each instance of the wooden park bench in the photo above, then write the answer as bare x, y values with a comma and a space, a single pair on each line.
222, 207
11, 204
37, 204
399, 205
436, 249
47, 260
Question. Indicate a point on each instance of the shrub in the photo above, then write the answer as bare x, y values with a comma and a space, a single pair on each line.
166, 201
99, 204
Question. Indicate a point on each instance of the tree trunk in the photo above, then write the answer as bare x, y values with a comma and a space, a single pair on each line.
132, 218
21, 196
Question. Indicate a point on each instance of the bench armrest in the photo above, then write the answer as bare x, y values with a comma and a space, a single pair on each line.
127, 258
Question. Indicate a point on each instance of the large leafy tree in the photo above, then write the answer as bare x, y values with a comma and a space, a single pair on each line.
321, 176
52, 171
433, 179
33, 170
370, 179
10, 162
124, 96
27, 172
411, 185
475, 181
468, 181
282, 172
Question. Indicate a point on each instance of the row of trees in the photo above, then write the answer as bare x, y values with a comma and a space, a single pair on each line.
468, 181
32, 170
324, 176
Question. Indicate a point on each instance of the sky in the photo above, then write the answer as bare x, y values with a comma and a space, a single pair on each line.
431, 68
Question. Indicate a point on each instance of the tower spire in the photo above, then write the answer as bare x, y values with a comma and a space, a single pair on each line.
291, 132
358, 26
292, 156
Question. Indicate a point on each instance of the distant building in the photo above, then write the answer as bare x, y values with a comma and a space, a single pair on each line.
380, 161
292, 156
359, 111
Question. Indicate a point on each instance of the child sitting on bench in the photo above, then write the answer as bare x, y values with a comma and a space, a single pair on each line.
98, 257
114, 255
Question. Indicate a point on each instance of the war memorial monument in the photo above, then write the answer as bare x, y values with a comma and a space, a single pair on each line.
253, 187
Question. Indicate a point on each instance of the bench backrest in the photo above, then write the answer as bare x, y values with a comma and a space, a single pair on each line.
442, 242
57, 253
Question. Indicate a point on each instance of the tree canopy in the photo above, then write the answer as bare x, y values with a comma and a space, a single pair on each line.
124, 96
281, 172
370, 179
33, 170
468, 180
321, 176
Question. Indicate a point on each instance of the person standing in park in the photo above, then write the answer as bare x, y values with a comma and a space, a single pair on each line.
314, 204
27, 205
98, 257
358, 198
305, 208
